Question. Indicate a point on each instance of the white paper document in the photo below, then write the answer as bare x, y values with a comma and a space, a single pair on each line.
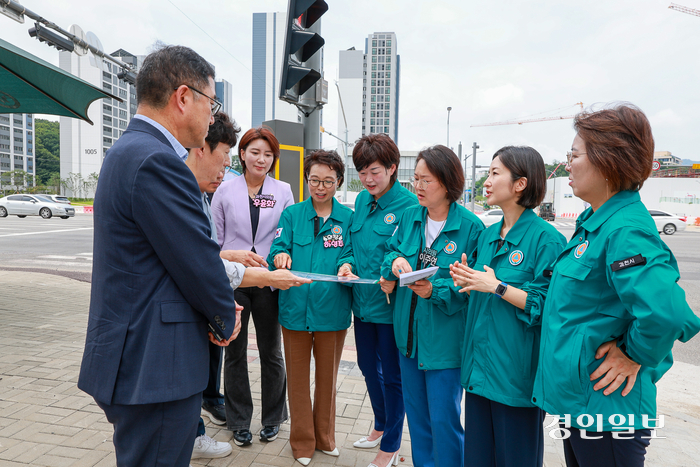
409, 278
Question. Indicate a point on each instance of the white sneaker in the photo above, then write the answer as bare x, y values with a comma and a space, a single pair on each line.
208, 448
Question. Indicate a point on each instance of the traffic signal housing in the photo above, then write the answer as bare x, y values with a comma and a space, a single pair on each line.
51, 38
300, 45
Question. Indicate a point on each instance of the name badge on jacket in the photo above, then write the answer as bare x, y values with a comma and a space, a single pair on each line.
428, 257
264, 201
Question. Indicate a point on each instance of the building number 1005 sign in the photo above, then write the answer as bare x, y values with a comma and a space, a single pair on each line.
91, 151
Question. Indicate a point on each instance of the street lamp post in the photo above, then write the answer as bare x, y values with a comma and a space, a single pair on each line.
448, 126
345, 184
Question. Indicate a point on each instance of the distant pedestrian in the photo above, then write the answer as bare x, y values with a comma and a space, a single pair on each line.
430, 315
507, 287
614, 307
311, 237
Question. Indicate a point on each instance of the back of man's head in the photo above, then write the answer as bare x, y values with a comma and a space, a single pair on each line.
166, 69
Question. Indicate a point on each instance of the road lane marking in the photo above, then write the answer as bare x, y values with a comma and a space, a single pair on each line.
64, 257
55, 264
45, 232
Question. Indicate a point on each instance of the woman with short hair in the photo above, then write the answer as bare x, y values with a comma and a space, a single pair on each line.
311, 237
614, 307
377, 211
429, 316
507, 287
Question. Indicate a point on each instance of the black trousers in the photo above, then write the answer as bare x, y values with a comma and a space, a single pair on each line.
263, 305
154, 435
606, 451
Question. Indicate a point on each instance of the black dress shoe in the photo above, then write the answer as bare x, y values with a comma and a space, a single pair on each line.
269, 433
242, 437
216, 413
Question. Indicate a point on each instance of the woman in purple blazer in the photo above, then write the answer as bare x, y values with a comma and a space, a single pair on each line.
246, 211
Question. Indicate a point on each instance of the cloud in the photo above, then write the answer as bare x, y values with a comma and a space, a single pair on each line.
665, 118
498, 96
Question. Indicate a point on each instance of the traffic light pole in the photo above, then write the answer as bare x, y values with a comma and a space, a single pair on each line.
312, 120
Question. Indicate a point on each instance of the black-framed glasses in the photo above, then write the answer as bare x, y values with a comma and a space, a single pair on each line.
215, 105
315, 182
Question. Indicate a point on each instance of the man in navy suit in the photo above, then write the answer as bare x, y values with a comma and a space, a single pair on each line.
157, 280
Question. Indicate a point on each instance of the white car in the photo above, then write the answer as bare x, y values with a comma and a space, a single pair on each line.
491, 216
667, 222
34, 205
56, 198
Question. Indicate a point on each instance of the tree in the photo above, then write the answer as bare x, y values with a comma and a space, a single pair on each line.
355, 185
47, 149
560, 171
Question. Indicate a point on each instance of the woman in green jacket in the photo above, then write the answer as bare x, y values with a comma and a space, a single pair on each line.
377, 211
507, 288
311, 236
429, 316
614, 308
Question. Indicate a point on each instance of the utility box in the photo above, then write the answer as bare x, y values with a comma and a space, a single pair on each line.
290, 166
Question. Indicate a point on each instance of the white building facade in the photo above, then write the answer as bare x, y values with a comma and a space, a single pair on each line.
17, 147
369, 88
83, 146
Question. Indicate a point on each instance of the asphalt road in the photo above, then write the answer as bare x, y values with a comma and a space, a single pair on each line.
64, 247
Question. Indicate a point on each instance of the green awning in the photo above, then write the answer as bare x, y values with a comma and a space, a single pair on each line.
30, 85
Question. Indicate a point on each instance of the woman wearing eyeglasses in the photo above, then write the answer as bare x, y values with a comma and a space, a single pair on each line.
614, 307
429, 316
246, 211
507, 287
311, 237
377, 212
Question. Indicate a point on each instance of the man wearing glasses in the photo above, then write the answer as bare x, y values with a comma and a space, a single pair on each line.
158, 283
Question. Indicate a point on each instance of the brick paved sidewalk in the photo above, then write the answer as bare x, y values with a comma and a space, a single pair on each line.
46, 421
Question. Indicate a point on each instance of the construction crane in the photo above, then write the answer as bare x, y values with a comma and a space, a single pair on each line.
684, 9
531, 120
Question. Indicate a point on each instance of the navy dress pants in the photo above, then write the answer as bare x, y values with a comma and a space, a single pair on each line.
606, 451
154, 435
498, 435
378, 359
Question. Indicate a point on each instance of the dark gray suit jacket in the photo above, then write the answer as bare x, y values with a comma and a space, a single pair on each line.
156, 280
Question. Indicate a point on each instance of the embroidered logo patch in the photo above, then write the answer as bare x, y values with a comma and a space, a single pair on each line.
278, 232
337, 230
450, 248
581, 249
389, 218
516, 257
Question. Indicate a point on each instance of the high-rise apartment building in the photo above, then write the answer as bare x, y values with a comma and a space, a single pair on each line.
369, 90
83, 146
224, 93
17, 146
269, 31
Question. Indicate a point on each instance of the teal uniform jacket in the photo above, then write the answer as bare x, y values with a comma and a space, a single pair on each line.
369, 232
502, 341
615, 279
319, 306
437, 323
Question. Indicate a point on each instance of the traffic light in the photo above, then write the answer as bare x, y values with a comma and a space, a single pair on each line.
51, 38
300, 45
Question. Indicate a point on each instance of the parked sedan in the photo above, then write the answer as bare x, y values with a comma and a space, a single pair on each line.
667, 222
491, 216
34, 205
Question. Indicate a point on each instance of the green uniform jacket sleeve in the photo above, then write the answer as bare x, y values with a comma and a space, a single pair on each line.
536, 290
347, 255
283, 239
650, 293
446, 296
392, 252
